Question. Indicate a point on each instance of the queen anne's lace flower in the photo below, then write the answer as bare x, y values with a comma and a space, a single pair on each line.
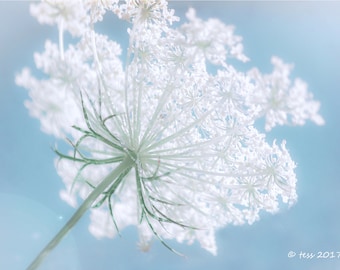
54, 100
70, 15
142, 12
212, 40
281, 101
163, 144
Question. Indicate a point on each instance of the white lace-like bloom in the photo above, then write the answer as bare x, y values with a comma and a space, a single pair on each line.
281, 101
55, 101
142, 12
74, 16
212, 40
69, 15
175, 143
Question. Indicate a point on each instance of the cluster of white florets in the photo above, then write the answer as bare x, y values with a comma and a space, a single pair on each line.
195, 161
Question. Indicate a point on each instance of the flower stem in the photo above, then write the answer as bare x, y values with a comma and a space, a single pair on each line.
61, 39
125, 166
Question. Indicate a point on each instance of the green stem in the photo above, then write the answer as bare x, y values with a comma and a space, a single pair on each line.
122, 168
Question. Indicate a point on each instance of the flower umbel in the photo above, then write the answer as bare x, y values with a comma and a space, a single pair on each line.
161, 142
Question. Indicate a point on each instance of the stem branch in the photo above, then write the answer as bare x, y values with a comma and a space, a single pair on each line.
125, 166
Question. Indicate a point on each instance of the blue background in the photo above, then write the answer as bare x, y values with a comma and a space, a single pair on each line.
31, 212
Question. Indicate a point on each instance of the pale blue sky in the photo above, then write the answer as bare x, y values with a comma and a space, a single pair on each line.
304, 33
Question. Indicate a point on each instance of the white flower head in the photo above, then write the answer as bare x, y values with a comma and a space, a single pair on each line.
70, 15
146, 12
212, 40
54, 100
165, 144
183, 135
281, 101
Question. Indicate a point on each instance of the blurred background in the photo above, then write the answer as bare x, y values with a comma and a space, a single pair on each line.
305, 33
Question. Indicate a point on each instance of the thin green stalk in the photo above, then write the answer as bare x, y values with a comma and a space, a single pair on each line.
125, 166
